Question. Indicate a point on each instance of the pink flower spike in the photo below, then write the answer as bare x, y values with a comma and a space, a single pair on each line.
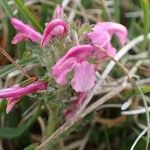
55, 28
21, 91
24, 32
84, 77
58, 12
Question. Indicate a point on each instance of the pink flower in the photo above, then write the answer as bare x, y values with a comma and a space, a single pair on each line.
13, 94
24, 32
58, 12
101, 35
84, 72
55, 28
70, 113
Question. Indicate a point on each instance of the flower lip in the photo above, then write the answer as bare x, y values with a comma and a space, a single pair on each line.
84, 77
55, 28
24, 32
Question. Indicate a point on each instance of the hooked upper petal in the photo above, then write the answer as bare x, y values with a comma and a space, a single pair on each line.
55, 28
114, 28
99, 36
84, 77
79, 52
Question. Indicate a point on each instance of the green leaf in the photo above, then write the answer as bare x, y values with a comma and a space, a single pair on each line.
7, 8
6, 132
28, 15
9, 68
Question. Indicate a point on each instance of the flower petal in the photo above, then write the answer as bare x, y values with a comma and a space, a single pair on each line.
84, 77
68, 62
21, 91
11, 102
55, 28
26, 30
101, 55
79, 52
19, 37
71, 112
114, 28
60, 70
110, 49
99, 36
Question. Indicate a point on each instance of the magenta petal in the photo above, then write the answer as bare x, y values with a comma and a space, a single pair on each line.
79, 101
15, 87
55, 28
19, 37
110, 50
79, 52
84, 77
60, 70
21, 91
71, 112
99, 36
11, 102
25, 30
114, 28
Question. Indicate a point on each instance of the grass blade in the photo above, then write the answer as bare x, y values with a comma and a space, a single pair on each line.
28, 15
146, 7
10, 68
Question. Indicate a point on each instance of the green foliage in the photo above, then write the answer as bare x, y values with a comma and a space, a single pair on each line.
6, 132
